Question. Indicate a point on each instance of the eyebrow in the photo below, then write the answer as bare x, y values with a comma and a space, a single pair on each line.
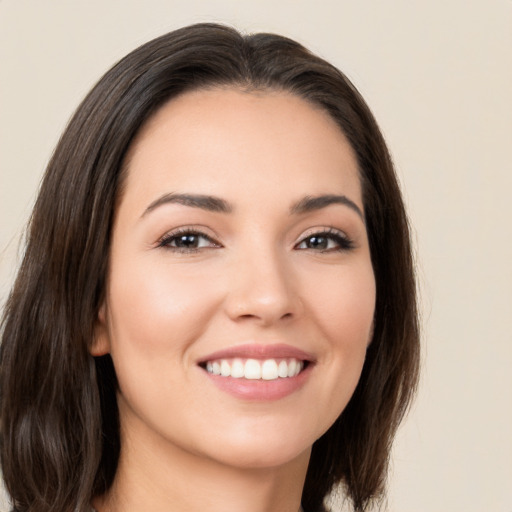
205, 202
312, 203
216, 204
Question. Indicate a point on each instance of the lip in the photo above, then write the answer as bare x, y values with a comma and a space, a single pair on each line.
257, 351
259, 390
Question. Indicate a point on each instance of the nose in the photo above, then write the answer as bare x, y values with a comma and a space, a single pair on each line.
263, 289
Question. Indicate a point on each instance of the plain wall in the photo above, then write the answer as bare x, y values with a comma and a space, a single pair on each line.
438, 76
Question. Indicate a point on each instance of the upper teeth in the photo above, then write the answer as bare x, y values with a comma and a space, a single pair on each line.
269, 369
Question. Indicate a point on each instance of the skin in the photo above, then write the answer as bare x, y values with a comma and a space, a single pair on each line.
186, 444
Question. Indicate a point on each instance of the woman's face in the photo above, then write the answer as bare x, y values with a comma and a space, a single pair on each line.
239, 246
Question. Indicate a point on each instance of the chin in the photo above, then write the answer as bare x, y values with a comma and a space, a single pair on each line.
263, 456
258, 447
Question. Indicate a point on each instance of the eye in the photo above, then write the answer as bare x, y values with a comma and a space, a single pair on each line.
326, 241
187, 240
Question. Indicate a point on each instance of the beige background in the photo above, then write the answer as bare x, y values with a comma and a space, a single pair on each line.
438, 76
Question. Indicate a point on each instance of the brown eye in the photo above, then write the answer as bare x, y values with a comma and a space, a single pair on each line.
325, 242
187, 241
317, 242
184, 241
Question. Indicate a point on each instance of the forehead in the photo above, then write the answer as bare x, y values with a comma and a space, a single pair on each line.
228, 141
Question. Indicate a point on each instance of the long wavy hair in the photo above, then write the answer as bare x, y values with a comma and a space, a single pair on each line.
59, 418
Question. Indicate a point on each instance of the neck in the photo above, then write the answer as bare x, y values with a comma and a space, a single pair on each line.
165, 478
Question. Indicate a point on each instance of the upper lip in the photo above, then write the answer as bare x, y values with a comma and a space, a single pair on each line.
258, 351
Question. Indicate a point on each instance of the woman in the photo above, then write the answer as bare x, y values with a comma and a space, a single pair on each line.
216, 308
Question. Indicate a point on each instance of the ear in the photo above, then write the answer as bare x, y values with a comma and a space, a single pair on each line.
101, 343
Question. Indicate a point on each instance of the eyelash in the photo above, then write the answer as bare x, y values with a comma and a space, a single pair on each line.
169, 238
343, 243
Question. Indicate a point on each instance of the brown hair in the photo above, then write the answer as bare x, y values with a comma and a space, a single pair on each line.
60, 427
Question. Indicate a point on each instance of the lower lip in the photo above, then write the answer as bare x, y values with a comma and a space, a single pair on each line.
258, 389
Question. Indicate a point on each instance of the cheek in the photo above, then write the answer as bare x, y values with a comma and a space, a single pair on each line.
158, 311
344, 315
344, 306
155, 316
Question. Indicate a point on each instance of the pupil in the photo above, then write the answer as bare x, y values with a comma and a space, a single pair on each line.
317, 242
186, 241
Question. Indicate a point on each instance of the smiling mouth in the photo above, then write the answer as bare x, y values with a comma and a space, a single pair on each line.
255, 369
